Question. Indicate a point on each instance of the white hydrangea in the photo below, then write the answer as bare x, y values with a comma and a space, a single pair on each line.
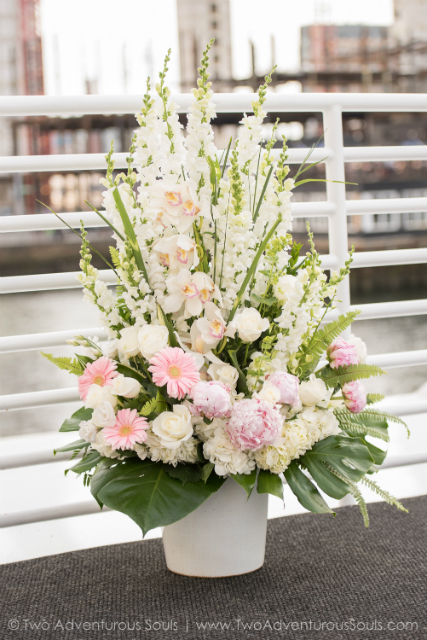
227, 459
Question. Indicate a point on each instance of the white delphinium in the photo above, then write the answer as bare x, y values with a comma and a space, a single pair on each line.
227, 459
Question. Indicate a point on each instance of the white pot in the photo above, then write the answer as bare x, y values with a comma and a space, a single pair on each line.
225, 536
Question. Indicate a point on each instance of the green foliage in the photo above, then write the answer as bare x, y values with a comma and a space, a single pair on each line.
246, 480
305, 491
73, 423
339, 376
242, 386
130, 372
72, 366
88, 462
130, 233
207, 470
77, 445
184, 472
323, 338
262, 92
147, 494
353, 489
149, 407
385, 495
270, 483
163, 319
380, 416
373, 398
349, 457
377, 431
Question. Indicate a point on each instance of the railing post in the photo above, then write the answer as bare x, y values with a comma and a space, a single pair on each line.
338, 234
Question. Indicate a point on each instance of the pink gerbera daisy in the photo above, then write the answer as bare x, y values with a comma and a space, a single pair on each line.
101, 372
175, 368
129, 429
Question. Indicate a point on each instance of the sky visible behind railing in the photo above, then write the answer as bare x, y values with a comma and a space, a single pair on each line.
99, 38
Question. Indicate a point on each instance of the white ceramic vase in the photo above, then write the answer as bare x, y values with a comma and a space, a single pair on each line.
225, 536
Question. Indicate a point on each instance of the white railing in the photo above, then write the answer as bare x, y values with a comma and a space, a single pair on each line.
336, 208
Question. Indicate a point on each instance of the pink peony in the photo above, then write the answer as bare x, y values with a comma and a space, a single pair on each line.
341, 354
253, 424
128, 430
212, 399
354, 396
288, 386
175, 368
101, 372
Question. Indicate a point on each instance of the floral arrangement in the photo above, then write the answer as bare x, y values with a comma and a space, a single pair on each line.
212, 368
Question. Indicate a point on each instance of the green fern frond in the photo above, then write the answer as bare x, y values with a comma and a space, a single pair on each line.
373, 398
361, 429
148, 407
385, 495
354, 490
115, 257
72, 366
323, 337
341, 375
369, 414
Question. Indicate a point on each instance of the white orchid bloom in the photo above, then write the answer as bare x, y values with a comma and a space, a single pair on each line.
177, 251
193, 290
212, 326
177, 202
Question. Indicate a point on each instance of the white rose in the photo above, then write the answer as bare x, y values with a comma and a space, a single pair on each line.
98, 394
109, 348
103, 415
125, 387
173, 428
269, 393
88, 431
249, 324
151, 339
128, 343
224, 373
360, 346
313, 391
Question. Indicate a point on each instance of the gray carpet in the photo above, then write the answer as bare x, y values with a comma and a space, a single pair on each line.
323, 578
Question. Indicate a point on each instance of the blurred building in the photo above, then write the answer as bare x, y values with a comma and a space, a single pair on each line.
198, 22
21, 73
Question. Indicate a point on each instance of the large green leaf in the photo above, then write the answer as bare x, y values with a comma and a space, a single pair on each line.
377, 454
73, 446
246, 480
100, 477
305, 491
184, 472
144, 492
73, 423
364, 427
270, 483
350, 457
87, 463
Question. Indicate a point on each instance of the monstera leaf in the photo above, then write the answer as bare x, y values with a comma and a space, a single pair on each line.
305, 491
143, 491
349, 457
73, 423
246, 480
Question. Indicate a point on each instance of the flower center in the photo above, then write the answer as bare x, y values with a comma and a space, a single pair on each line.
216, 329
173, 198
190, 290
174, 371
125, 430
99, 380
190, 209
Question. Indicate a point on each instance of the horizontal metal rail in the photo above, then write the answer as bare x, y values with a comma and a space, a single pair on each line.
87, 507
315, 209
96, 161
32, 459
43, 282
35, 341
16, 106
34, 399
49, 222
